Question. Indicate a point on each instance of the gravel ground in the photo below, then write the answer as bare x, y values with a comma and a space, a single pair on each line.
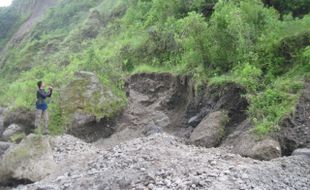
161, 161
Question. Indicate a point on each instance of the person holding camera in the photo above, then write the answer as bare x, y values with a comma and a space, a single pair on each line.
41, 107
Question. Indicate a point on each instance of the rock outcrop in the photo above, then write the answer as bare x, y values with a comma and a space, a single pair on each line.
86, 105
31, 161
210, 130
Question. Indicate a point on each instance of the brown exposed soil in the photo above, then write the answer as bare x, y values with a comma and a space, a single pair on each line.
165, 102
169, 103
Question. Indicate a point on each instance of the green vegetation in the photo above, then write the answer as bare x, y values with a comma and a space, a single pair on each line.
297, 7
246, 42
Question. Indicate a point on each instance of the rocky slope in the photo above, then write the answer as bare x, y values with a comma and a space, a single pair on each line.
162, 161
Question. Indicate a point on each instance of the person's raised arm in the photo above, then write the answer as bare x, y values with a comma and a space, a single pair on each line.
50, 91
44, 94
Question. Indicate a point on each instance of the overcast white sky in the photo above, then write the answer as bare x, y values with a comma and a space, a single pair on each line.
5, 3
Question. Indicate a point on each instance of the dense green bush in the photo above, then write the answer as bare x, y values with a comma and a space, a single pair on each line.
296, 7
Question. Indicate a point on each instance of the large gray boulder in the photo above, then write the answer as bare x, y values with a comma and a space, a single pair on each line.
266, 149
21, 116
86, 104
31, 160
246, 142
13, 133
210, 130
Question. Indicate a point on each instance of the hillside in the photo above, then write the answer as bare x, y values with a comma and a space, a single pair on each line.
213, 73
244, 42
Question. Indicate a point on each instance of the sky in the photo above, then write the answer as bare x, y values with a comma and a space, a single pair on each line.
4, 3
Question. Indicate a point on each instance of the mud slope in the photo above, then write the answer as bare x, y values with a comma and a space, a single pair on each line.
165, 102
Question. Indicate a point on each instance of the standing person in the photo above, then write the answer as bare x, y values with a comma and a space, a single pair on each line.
41, 106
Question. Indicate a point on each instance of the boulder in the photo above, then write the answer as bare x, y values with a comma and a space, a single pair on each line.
31, 160
21, 116
210, 130
86, 104
266, 149
245, 142
13, 133
302, 151
3, 147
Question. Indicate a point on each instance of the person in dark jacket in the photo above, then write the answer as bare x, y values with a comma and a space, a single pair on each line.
41, 106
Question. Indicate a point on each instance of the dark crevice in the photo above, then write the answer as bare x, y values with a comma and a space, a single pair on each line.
16, 182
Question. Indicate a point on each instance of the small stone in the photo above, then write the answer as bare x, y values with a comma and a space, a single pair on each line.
213, 163
245, 176
167, 182
212, 175
151, 186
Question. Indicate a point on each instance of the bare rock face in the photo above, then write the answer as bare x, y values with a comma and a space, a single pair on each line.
31, 160
85, 105
245, 142
210, 131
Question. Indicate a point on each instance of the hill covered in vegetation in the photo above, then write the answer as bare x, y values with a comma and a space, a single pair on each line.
261, 45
